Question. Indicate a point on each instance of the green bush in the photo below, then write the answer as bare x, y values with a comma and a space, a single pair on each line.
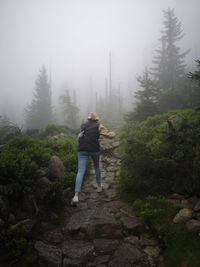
19, 160
53, 129
21, 157
65, 149
180, 248
158, 158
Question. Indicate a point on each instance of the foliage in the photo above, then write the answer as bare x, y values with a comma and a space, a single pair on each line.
167, 87
181, 248
8, 130
21, 157
161, 155
39, 113
169, 61
65, 149
19, 160
15, 248
146, 104
70, 110
195, 92
53, 129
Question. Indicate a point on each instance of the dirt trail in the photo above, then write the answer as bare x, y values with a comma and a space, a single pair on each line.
101, 230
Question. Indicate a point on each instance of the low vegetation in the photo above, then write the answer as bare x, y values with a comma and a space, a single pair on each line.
180, 247
26, 197
160, 156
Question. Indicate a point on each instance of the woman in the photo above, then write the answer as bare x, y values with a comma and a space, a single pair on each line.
88, 146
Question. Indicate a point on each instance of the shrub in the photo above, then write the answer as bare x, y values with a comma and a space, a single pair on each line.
19, 160
160, 157
181, 248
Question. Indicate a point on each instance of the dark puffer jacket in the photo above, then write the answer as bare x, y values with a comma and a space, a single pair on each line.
89, 141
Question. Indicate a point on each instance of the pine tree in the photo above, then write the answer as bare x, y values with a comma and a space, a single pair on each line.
69, 108
195, 90
169, 61
146, 104
39, 113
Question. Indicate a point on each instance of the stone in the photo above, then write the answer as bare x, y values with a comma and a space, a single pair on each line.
183, 215
70, 262
192, 202
80, 219
51, 255
177, 196
128, 255
99, 261
105, 246
112, 169
116, 144
26, 225
78, 249
153, 255
54, 236
134, 224
197, 206
193, 226
56, 168
118, 173
115, 204
44, 186
134, 240
147, 240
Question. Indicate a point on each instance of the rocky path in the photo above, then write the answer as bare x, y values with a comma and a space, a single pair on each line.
101, 230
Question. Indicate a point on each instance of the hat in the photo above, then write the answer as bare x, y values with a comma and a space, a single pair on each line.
93, 116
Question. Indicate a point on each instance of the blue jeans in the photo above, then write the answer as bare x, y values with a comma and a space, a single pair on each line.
83, 157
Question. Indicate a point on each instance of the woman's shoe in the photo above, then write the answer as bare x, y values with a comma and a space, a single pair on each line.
75, 200
99, 188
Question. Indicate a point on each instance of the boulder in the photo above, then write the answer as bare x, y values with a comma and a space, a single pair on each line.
26, 225
134, 240
193, 225
44, 186
128, 255
50, 255
78, 250
133, 224
197, 206
56, 168
100, 261
105, 246
183, 215
153, 255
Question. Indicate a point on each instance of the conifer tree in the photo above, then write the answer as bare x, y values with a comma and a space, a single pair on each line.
146, 104
39, 113
69, 109
169, 61
195, 90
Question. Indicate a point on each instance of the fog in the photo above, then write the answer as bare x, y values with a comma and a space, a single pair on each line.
73, 39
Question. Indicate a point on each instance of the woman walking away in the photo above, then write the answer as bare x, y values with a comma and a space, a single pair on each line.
88, 146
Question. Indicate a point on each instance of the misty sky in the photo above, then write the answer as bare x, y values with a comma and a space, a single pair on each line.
73, 39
